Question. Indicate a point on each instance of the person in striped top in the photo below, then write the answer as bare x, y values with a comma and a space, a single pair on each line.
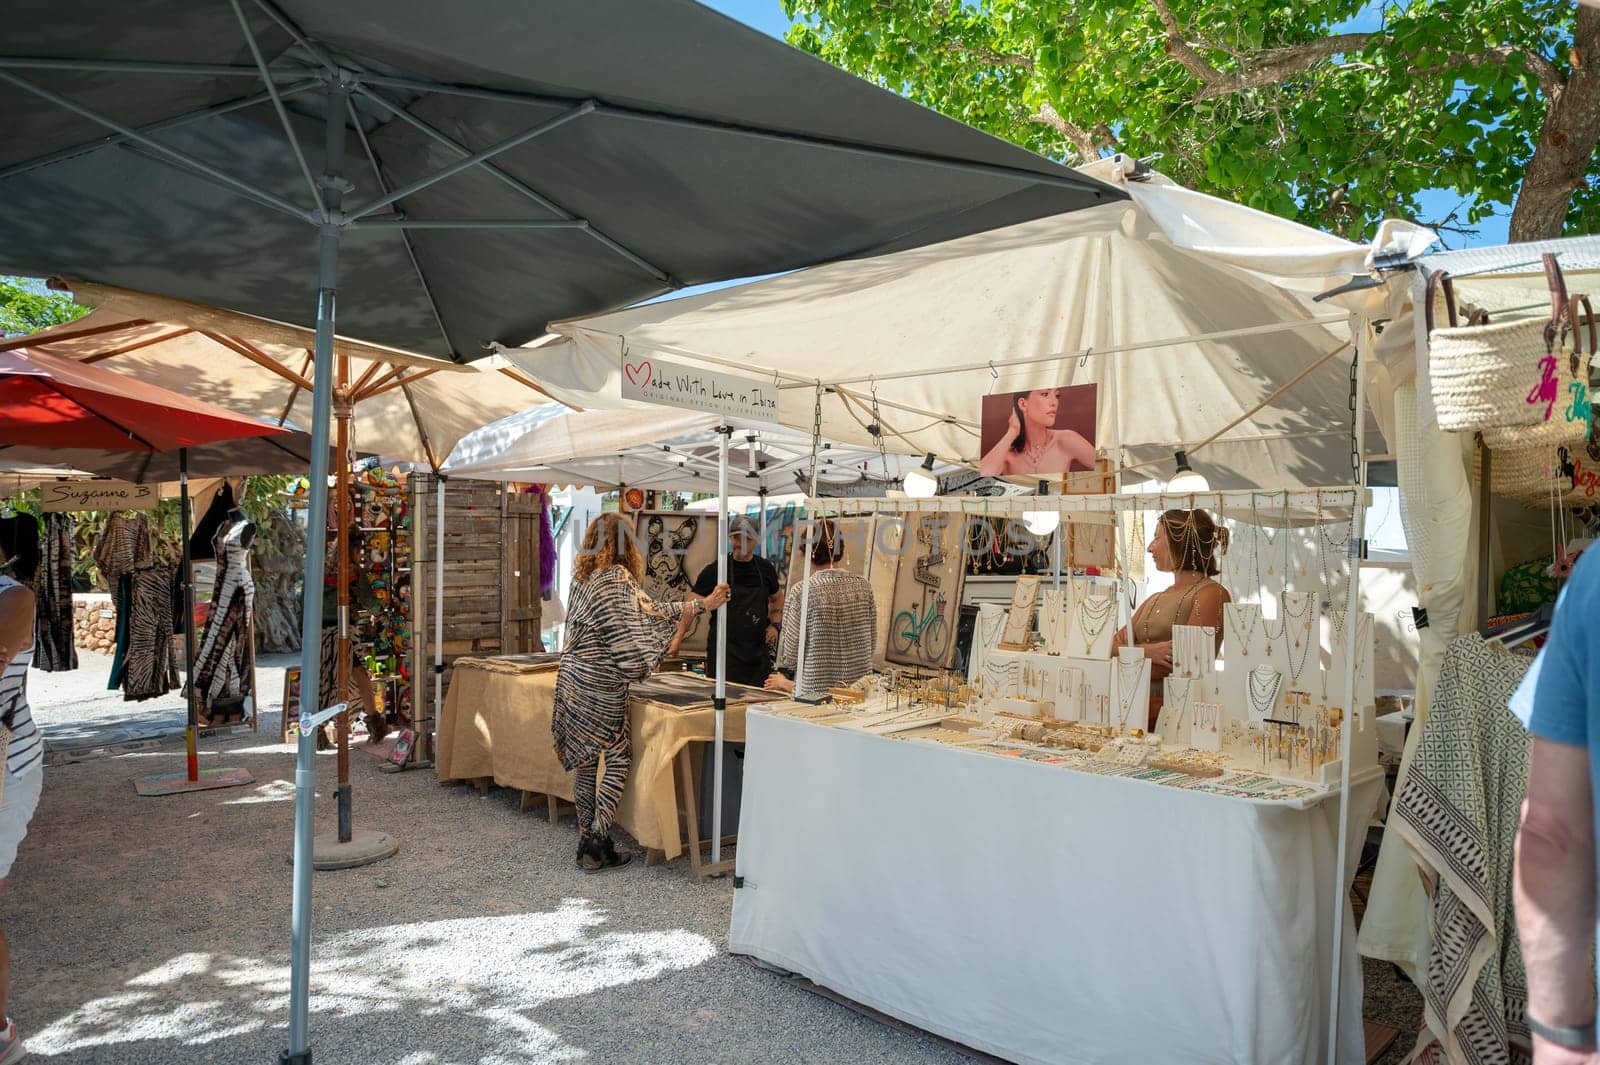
23, 746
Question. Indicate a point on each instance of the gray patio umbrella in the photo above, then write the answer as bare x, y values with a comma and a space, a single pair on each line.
488, 166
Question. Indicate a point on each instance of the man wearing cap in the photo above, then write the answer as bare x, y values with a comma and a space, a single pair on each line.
755, 607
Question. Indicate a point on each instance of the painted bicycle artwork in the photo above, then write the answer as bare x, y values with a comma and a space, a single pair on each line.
927, 593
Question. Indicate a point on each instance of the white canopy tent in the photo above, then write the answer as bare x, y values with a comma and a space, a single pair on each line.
1197, 319
660, 448
1190, 313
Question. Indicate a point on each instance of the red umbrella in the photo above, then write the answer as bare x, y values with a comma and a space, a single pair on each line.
50, 401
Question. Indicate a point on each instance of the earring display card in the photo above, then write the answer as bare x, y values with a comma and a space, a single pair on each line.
985, 637
1205, 726
1194, 650
1019, 619
1179, 696
1054, 622
1097, 693
1093, 624
1131, 698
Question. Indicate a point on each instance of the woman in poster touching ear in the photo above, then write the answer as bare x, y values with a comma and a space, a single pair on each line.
1030, 444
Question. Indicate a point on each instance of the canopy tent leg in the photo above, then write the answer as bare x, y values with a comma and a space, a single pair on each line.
1358, 519
720, 699
341, 498
438, 602
192, 733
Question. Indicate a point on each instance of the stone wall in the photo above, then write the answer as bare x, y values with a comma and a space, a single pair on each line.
94, 623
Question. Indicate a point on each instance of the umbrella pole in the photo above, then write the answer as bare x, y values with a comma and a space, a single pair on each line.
438, 601
762, 493
719, 700
193, 731
341, 415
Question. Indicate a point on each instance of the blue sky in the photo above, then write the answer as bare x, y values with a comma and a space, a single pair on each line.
768, 17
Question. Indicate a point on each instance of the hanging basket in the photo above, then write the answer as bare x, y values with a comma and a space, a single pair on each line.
1488, 376
1569, 411
1533, 476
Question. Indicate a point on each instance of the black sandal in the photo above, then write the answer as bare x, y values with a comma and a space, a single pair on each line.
597, 854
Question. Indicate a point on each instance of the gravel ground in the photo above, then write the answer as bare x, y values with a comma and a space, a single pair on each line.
157, 930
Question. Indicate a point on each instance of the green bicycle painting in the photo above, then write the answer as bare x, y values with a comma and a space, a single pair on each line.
928, 632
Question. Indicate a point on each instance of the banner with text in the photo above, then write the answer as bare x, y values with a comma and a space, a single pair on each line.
652, 380
98, 495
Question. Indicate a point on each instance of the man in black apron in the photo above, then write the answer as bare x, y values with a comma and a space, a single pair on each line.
755, 608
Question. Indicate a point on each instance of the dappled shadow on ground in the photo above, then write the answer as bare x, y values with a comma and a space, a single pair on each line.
476, 985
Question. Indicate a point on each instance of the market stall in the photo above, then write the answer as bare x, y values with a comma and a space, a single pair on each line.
495, 728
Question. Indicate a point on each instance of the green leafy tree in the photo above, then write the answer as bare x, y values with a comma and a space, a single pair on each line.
1275, 104
27, 308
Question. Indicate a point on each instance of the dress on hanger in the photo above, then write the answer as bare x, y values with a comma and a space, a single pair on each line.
53, 650
143, 666
222, 663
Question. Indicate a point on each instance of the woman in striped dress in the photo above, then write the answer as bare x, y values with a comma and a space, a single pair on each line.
20, 742
615, 634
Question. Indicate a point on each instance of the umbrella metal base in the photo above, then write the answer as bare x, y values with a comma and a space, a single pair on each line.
365, 847
178, 783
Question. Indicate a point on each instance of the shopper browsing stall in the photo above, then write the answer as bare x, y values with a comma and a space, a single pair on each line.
755, 607
23, 753
841, 622
615, 634
1186, 544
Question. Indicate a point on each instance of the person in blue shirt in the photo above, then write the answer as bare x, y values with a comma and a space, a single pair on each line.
1555, 890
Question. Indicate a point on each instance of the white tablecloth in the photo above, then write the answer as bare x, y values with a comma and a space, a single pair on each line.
1043, 915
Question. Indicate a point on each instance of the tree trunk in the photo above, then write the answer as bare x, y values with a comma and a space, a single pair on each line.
1566, 141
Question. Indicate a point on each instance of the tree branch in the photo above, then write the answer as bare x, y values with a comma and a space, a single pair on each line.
1274, 65
1181, 50
1550, 81
1088, 143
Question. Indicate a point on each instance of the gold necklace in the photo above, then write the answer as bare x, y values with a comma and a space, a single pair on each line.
1127, 679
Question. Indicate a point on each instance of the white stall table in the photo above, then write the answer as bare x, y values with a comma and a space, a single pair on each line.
1040, 914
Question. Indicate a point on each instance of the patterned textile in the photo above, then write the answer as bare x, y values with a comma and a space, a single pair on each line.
597, 795
1458, 810
358, 694
148, 668
53, 649
220, 667
841, 631
615, 634
123, 546
26, 748
1526, 587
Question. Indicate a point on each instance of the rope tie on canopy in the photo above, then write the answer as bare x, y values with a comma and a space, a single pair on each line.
1277, 392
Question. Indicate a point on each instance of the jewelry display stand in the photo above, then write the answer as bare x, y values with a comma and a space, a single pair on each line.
1098, 693
1019, 618
1263, 693
1179, 695
1194, 651
1205, 732
1131, 702
1092, 629
1054, 621
985, 637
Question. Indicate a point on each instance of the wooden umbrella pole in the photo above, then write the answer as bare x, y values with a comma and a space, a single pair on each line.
341, 413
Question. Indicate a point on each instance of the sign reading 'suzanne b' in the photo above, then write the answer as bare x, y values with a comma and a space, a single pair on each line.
97, 495
652, 380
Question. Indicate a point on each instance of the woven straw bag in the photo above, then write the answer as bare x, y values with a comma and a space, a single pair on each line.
1568, 422
1534, 476
1490, 376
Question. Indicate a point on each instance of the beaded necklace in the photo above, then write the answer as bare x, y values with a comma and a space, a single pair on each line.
1233, 612
1092, 619
1265, 683
1298, 635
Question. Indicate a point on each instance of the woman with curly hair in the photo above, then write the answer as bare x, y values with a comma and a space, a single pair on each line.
615, 634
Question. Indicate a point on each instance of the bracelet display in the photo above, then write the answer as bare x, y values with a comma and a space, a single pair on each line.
1571, 1038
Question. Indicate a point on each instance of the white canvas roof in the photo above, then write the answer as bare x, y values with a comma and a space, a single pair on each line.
660, 448
1188, 311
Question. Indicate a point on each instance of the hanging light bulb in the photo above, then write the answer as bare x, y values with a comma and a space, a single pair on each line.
920, 483
1042, 522
1185, 479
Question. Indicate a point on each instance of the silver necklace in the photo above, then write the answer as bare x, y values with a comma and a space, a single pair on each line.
1298, 636
1236, 611
1127, 680
1265, 683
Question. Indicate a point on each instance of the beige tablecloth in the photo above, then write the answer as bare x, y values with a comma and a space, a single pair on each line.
496, 724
